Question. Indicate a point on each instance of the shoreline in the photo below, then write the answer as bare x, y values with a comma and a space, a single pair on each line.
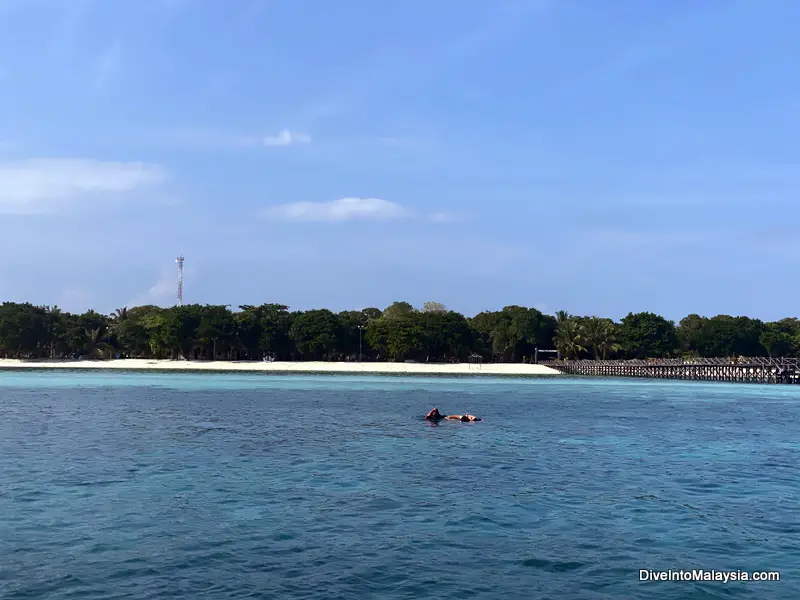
287, 367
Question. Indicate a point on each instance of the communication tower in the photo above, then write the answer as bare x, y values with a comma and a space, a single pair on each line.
179, 260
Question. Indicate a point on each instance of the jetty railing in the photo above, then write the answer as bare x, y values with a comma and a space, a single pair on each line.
737, 369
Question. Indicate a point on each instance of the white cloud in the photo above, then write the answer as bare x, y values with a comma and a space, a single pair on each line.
163, 292
43, 185
352, 209
287, 138
204, 139
345, 209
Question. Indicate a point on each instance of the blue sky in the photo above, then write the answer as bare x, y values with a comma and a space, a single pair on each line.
595, 156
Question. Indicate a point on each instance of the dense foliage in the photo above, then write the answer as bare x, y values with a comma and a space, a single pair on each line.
400, 332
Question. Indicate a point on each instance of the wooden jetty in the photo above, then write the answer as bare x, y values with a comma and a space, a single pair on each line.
734, 370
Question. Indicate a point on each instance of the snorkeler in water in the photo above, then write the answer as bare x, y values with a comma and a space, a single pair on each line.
466, 418
435, 415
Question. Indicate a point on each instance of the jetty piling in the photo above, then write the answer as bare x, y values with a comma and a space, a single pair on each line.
733, 370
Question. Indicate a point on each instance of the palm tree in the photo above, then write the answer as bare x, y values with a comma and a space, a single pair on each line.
569, 338
608, 340
97, 341
600, 335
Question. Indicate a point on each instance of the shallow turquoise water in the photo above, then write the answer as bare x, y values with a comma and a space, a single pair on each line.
132, 485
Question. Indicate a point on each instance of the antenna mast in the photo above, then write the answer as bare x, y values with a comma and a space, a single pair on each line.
179, 260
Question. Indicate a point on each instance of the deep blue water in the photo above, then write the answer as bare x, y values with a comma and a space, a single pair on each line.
195, 486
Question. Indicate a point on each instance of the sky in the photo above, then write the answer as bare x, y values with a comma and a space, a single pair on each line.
596, 156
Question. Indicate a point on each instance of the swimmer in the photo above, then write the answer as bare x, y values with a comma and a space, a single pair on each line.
465, 418
434, 415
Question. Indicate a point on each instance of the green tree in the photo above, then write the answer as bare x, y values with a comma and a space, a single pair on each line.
248, 331
444, 336
315, 333
397, 337
647, 335
689, 333
372, 313
349, 334
398, 309
434, 307
399, 333
276, 322
216, 332
723, 336
132, 334
780, 339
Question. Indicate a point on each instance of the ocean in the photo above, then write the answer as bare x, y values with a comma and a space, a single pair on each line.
221, 486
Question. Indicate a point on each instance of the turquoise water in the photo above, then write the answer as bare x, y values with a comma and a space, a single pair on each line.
139, 486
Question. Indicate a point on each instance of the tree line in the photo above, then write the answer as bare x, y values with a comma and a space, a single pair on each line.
399, 332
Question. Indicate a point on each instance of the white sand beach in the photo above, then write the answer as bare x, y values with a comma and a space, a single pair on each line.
286, 367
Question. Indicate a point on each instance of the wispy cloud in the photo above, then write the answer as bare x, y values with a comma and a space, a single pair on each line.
344, 209
354, 209
162, 293
220, 140
287, 138
45, 185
